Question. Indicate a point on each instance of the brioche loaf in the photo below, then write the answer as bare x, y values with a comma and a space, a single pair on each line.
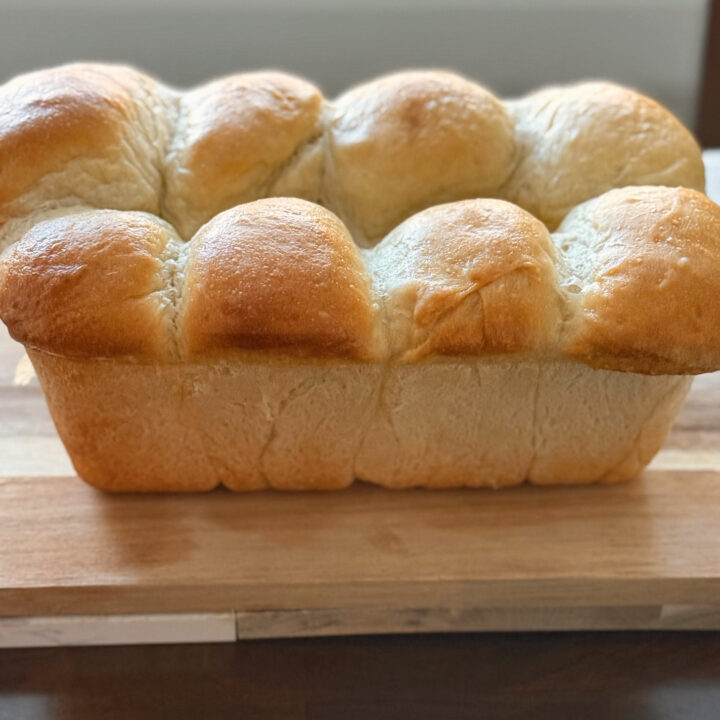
415, 285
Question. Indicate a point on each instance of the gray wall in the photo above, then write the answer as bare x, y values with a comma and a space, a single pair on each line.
511, 45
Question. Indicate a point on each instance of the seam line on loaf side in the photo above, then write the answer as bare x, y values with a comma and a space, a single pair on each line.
650, 179
139, 159
372, 417
335, 201
325, 141
477, 374
49, 204
14, 229
385, 410
571, 311
324, 198
297, 391
523, 151
218, 466
535, 425
481, 301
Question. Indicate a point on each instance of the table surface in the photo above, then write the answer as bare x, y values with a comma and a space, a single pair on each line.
623, 676
643, 676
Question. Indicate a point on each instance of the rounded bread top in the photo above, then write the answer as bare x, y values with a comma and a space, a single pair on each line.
579, 141
233, 135
279, 274
82, 133
628, 282
474, 277
408, 141
646, 265
90, 283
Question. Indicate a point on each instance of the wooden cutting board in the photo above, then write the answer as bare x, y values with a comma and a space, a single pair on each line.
77, 566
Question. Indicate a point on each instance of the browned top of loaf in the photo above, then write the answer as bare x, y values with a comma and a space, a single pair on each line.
112, 137
90, 283
652, 300
52, 119
232, 136
579, 141
474, 277
629, 281
407, 141
279, 274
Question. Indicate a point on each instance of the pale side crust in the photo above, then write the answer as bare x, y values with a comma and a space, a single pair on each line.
296, 426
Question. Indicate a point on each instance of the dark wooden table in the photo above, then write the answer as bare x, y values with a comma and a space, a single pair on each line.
638, 676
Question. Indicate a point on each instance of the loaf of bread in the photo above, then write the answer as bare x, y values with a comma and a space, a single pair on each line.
416, 284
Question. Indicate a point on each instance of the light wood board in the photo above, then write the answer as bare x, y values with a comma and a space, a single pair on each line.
67, 549
641, 555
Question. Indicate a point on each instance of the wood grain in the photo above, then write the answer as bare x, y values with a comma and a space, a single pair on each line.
651, 542
116, 630
374, 621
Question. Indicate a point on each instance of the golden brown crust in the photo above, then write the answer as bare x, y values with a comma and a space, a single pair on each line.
284, 276
579, 141
280, 274
474, 277
235, 133
104, 117
91, 284
50, 118
652, 300
407, 141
